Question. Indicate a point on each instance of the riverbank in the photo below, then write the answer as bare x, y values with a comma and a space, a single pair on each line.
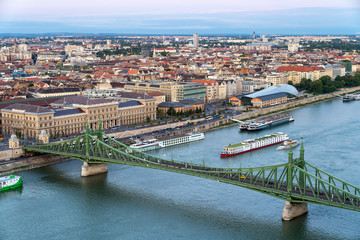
27, 163
286, 107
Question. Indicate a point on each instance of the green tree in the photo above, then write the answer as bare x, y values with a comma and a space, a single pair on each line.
148, 119
316, 87
171, 111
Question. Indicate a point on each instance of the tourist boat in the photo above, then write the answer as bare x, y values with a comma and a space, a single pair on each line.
258, 126
286, 144
244, 125
266, 122
253, 144
348, 98
152, 144
356, 96
9, 182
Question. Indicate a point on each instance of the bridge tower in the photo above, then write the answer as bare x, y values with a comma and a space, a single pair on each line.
89, 169
294, 209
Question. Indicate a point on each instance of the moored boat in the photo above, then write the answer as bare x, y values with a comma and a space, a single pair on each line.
286, 144
266, 122
152, 144
9, 182
253, 144
348, 98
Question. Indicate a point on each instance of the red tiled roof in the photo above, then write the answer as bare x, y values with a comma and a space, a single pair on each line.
133, 71
297, 69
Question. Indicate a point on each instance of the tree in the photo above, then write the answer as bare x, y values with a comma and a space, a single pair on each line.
160, 112
148, 119
316, 87
171, 111
291, 83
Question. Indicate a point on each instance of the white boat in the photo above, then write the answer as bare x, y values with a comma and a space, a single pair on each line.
9, 182
152, 144
253, 144
286, 144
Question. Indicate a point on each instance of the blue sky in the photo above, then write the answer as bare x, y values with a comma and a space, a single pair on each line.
181, 17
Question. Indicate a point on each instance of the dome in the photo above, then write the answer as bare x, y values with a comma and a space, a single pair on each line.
43, 132
286, 88
13, 137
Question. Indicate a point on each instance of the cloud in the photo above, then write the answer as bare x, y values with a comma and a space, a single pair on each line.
200, 16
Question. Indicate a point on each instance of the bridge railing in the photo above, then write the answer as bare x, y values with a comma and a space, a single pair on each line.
313, 183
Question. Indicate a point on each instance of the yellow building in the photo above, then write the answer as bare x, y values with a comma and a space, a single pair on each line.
269, 100
69, 115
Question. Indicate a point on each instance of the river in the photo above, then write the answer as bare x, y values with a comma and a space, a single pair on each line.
138, 203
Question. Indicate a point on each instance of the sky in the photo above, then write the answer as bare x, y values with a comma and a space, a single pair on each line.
181, 17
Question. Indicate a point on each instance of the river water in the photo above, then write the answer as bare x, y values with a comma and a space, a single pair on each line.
138, 203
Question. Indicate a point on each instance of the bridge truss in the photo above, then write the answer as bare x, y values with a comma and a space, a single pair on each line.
294, 181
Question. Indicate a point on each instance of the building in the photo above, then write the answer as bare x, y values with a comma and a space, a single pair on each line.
132, 112
252, 86
291, 91
183, 106
95, 109
296, 73
333, 70
196, 40
212, 89
101, 93
269, 100
173, 91
277, 78
68, 115
293, 47
26, 119
148, 105
236, 100
56, 92
159, 97
348, 65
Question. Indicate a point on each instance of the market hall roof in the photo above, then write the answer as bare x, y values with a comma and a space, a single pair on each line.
286, 88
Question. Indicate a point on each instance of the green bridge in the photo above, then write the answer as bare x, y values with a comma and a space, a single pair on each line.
296, 181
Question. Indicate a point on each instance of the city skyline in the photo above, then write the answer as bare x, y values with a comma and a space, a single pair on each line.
204, 17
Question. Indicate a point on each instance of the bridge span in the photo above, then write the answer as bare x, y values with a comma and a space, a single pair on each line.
296, 181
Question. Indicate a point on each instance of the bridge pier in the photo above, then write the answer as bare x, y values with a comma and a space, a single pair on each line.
89, 169
292, 210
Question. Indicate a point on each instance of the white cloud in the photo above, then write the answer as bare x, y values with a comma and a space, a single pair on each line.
48, 10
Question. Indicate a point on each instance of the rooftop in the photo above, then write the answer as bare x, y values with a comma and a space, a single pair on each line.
65, 112
28, 108
81, 100
128, 104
